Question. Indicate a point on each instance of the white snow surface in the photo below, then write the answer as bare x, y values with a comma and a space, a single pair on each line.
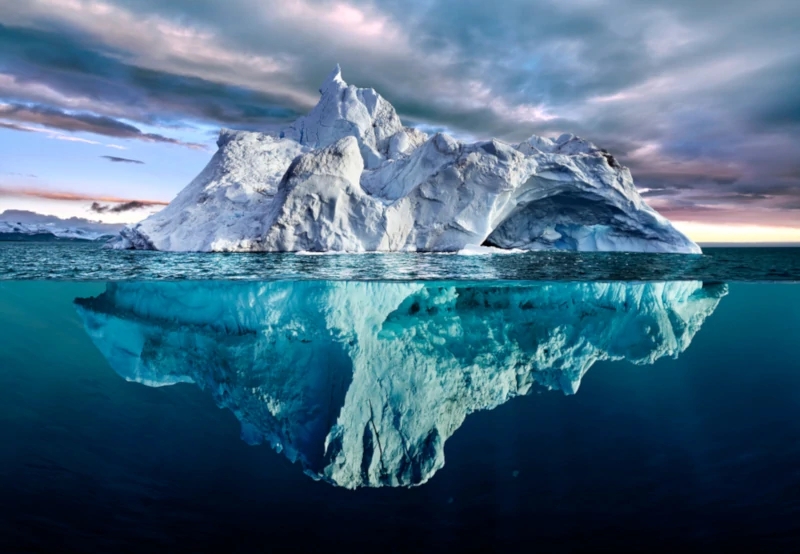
349, 177
362, 383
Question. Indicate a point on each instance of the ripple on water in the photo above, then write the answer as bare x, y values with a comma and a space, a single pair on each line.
89, 261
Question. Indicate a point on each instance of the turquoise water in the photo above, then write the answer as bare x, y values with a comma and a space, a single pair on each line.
89, 261
394, 415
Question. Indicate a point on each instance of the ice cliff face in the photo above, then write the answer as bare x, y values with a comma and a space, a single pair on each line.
349, 177
362, 383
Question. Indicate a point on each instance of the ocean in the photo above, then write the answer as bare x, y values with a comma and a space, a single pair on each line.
570, 402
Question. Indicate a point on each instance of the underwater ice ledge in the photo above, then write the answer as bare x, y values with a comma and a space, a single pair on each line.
361, 383
349, 177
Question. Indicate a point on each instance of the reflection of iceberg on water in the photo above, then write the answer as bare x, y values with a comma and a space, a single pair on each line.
363, 382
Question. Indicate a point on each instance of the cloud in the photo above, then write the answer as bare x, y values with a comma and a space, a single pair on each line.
74, 196
74, 139
17, 174
117, 159
698, 98
15, 127
83, 122
119, 208
730, 215
59, 69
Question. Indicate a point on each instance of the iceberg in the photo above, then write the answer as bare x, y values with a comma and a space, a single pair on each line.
349, 177
362, 383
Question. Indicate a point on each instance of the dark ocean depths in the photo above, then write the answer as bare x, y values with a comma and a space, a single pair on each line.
391, 416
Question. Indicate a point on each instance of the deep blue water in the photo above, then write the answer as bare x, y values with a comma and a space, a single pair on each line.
696, 451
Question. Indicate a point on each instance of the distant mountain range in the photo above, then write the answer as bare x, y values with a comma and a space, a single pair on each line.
24, 225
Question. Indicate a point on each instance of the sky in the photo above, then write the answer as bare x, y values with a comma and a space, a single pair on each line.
108, 108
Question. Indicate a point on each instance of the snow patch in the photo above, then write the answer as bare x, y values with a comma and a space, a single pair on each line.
473, 250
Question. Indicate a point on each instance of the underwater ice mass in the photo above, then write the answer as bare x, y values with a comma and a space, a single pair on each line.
362, 383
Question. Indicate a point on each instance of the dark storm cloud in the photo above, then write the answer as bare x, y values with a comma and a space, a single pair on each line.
117, 159
77, 68
119, 208
698, 98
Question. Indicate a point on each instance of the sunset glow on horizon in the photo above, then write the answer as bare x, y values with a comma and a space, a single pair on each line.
728, 233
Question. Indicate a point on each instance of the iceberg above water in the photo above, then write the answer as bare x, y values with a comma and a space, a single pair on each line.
349, 177
362, 383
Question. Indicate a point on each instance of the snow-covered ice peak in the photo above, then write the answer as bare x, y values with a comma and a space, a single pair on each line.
405, 192
346, 110
334, 78
362, 383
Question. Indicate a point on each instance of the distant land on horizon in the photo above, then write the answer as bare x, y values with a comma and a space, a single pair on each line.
28, 226
28, 216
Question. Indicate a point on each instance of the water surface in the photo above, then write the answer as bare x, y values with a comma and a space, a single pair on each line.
89, 261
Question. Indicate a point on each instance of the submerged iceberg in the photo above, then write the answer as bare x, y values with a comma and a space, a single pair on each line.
350, 177
362, 383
